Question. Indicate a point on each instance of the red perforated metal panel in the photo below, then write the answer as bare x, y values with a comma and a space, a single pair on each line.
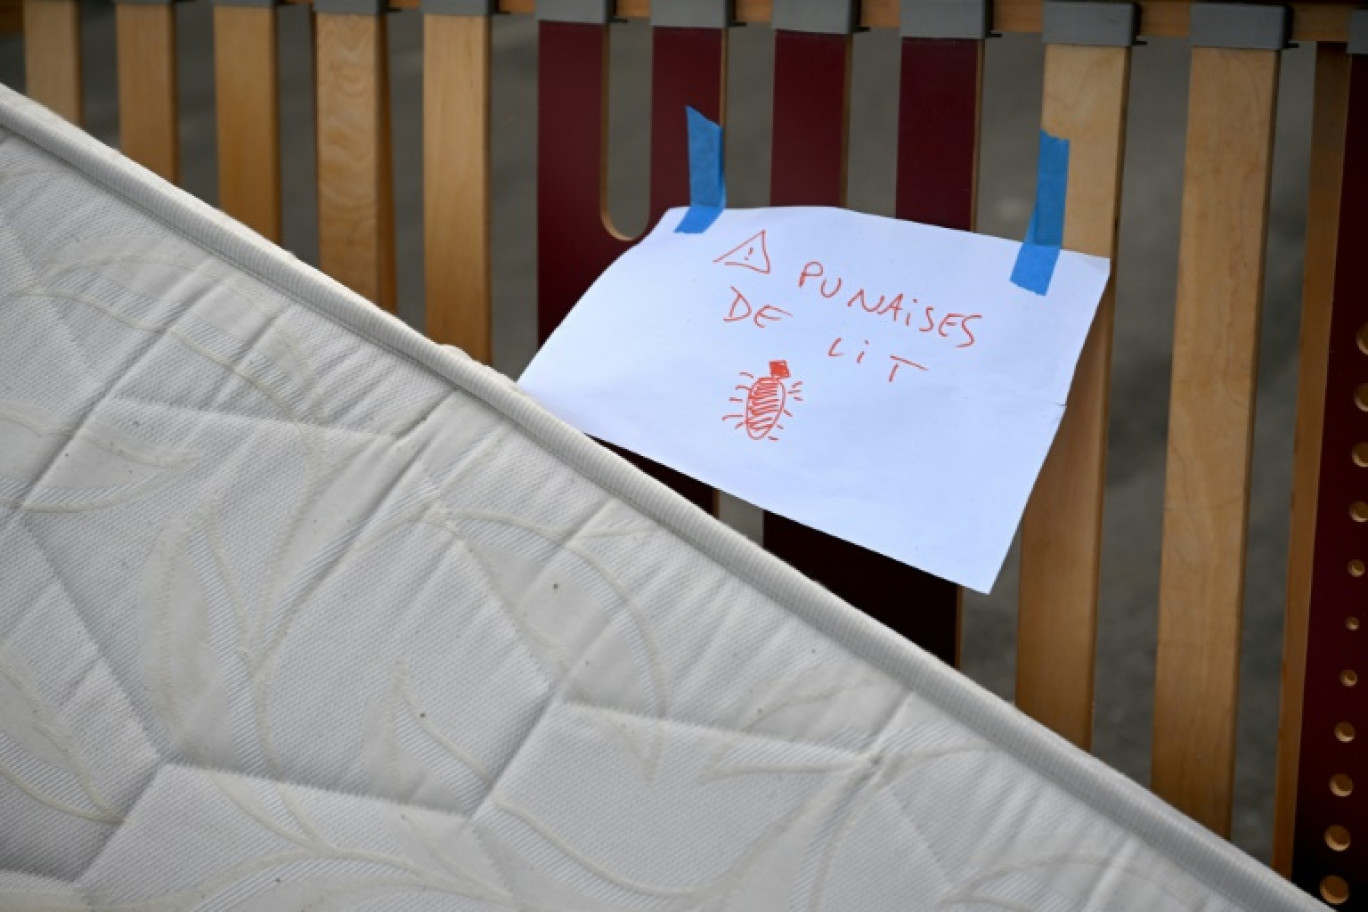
1330, 853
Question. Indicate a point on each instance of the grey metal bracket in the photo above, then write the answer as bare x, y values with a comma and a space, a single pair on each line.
709, 14
1243, 26
945, 18
259, 4
458, 7
592, 12
152, 2
827, 17
1358, 31
1090, 22
350, 7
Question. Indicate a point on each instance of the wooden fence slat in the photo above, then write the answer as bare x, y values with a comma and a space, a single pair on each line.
456, 181
148, 117
939, 98
52, 55
247, 100
355, 194
1322, 227
1061, 532
1231, 104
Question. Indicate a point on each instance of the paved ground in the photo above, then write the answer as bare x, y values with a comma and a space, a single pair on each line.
1147, 267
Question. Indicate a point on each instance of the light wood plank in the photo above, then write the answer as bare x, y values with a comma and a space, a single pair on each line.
456, 181
1231, 105
247, 99
1061, 534
148, 125
52, 55
355, 196
1318, 284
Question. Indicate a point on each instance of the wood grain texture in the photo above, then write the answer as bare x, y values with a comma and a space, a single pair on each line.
456, 182
52, 55
148, 116
1061, 532
247, 99
1211, 420
1318, 281
355, 194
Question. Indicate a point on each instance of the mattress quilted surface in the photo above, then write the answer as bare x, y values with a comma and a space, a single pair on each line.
301, 611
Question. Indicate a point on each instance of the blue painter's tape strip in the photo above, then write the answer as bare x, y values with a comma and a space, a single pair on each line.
707, 187
1035, 263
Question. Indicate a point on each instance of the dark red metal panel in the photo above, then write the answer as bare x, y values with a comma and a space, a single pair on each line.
938, 127
938, 120
573, 244
811, 95
1331, 832
811, 117
688, 67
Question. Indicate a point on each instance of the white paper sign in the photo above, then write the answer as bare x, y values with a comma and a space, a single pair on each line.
877, 379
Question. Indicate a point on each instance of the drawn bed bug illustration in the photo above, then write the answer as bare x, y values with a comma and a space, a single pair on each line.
765, 402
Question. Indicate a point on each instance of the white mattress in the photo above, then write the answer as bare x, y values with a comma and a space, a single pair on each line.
299, 610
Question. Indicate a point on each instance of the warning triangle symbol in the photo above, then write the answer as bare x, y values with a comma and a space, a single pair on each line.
749, 254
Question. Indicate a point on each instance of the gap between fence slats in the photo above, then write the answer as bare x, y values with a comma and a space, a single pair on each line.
1061, 532
52, 55
1322, 230
355, 195
148, 117
1231, 102
456, 181
247, 100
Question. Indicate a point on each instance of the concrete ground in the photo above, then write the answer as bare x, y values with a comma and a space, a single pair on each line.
1146, 270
